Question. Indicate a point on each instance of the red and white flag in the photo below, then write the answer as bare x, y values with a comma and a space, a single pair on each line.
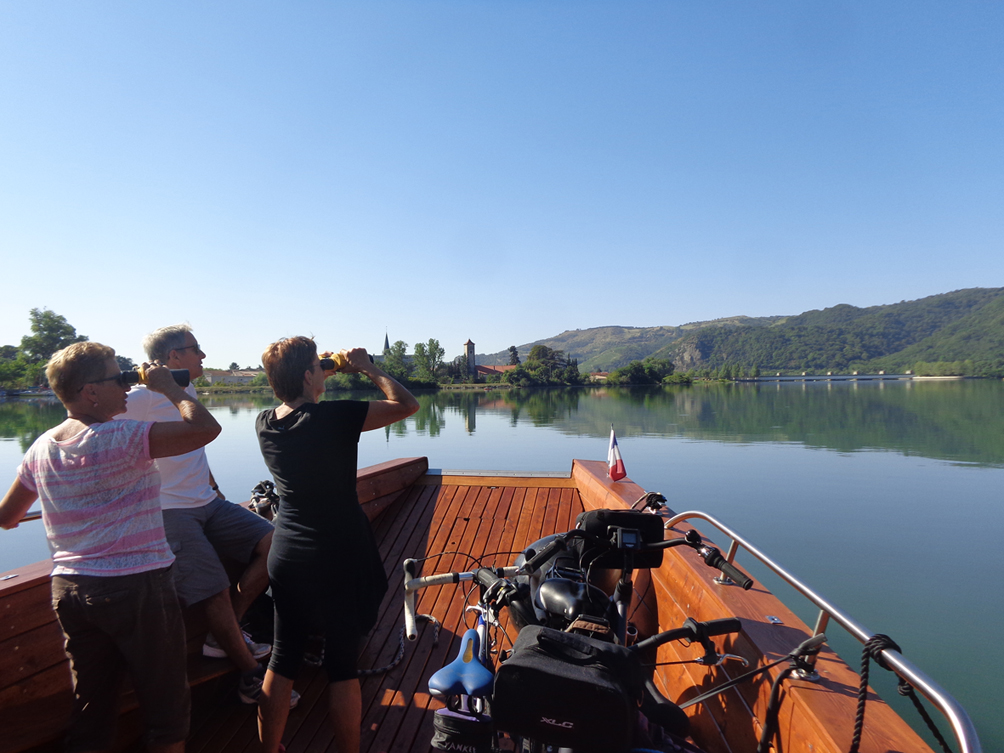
615, 465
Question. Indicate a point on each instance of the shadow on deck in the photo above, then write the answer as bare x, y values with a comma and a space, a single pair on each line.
489, 518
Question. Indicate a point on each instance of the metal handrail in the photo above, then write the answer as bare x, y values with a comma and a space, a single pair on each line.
962, 725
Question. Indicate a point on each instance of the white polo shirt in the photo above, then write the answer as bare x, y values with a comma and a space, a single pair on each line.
184, 479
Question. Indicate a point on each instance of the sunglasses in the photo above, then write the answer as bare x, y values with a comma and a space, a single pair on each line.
120, 379
186, 347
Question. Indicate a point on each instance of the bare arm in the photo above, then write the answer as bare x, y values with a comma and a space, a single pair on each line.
15, 504
197, 427
215, 486
399, 403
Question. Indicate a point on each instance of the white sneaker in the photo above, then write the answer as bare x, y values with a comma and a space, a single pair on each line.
213, 650
249, 691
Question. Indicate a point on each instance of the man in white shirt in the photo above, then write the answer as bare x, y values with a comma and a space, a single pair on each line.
200, 524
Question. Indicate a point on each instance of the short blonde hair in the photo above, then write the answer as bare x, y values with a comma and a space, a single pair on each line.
285, 362
74, 366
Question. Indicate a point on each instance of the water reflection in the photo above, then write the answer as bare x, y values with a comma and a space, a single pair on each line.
26, 419
959, 421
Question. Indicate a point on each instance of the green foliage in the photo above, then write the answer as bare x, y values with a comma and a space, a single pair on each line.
649, 371
948, 327
957, 326
395, 361
944, 368
49, 332
25, 366
513, 356
260, 380
340, 381
428, 360
607, 348
545, 366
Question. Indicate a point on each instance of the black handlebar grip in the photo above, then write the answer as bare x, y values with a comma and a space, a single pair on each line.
724, 626
486, 577
715, 559
742, 580
533, 564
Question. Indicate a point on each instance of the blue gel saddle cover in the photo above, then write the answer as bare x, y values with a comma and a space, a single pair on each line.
465, 675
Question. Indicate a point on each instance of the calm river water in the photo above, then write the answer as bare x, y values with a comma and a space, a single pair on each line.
885, 497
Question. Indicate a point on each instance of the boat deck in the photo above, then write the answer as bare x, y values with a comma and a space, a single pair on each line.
478, 516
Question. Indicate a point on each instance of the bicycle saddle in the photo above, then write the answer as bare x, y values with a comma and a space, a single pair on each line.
465, 675
567, 599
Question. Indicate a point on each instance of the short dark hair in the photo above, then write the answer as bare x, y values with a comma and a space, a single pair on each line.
285, 362
74, 366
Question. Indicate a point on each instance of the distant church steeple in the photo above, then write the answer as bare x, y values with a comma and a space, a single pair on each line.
469, 352
386, 342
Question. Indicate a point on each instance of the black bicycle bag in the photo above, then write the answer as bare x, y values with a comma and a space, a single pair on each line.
568, 690
461, 733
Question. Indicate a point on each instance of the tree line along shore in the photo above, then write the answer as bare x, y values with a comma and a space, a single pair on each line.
22, 367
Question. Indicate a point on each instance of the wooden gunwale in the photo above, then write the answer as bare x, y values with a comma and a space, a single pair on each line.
415, 514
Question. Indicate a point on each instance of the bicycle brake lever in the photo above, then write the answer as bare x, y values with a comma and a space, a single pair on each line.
719, 659
723, 657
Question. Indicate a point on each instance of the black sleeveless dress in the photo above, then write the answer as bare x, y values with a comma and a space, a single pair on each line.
324, 565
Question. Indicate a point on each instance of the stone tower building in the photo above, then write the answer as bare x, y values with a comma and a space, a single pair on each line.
472, 368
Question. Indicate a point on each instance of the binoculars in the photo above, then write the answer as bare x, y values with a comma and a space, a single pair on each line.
138, 376
336, 362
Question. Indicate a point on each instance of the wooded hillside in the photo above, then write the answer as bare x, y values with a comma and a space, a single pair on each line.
964, 325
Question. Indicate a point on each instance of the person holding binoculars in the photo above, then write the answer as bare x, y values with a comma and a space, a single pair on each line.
112, 587
200, 524
310, 448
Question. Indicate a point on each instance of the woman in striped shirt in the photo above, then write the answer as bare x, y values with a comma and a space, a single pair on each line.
111, 583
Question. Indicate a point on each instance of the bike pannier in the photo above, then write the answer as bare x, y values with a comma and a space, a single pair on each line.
568, 690
461, 733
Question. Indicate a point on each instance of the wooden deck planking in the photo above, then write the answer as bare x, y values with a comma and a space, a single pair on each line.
491, 518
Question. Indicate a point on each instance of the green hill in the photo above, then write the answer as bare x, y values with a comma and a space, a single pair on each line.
958, 326
606, 348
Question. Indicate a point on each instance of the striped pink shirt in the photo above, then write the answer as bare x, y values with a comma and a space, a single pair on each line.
100, 495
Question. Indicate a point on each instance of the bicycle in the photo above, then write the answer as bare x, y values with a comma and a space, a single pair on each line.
575, 677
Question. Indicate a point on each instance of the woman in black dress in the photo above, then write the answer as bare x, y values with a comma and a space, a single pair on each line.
324, 566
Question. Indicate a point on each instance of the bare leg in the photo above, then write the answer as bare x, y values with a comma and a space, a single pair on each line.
345, 707
273, 710
178, 747
227, 631
254, 579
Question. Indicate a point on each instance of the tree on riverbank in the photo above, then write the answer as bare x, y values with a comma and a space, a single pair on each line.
649, 371
428, 360
545, 366
24, 366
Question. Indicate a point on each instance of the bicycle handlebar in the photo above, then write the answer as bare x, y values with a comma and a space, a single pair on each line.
413, 584
691, 631
711, 556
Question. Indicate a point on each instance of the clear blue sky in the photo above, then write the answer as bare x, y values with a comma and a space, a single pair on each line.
498, 170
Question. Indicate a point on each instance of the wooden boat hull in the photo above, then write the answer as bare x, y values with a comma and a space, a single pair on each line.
415, 514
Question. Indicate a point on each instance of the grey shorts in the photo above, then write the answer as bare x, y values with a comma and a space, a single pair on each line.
114, 626
199, 535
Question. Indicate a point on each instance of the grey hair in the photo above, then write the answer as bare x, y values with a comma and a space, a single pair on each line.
159, 343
